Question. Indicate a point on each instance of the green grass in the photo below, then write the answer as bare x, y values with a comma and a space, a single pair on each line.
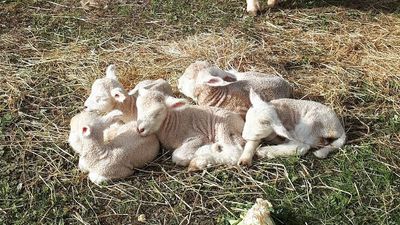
344, 54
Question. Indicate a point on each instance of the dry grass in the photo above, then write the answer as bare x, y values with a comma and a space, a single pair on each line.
346, 57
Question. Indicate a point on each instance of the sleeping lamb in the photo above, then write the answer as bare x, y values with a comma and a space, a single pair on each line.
304, 125
185, 128
108, 94
210, 86
116, 157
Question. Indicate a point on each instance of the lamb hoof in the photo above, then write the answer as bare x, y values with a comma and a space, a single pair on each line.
265, 154
97, 179
270, 156
272, 3
82, 168
320, 154
180, 161
252, 12
193, 169
245, 162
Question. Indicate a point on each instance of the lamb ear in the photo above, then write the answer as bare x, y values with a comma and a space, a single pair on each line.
86, 131
134, 92
142, 91
111, 72
280, 130
175, 103
118, 94
112, 116
216, 82
205, 77
255, 99
141, 85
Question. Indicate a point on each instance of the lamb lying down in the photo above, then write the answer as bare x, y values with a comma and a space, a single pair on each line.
185, 128
116, 158
215, 154
108, 94
304, 124
210, 86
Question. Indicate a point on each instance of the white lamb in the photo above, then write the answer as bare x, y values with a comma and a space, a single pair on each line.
304, 125
210, 86
185, 128
108, 94
215, 154
115, 158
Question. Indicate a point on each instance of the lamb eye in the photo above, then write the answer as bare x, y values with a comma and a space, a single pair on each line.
265, 122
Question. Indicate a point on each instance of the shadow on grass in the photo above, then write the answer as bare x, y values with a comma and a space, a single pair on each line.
384, 6
287, 216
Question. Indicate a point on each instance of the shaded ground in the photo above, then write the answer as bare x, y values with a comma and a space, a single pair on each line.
343, 53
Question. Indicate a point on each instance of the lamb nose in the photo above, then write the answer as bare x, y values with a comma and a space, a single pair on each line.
140, 130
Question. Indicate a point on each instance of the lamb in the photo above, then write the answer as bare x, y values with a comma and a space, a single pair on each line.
215, 154
115, 158
185, 128
253, 6
108, 94
304, 125
210, 86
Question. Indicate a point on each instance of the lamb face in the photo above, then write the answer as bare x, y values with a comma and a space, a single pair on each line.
187, 82
73, 138
76, 128
153, 108
259, 119
152, 111
89, 125
262, 120
257, 125
105, 93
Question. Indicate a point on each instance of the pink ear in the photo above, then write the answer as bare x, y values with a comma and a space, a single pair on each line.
177, 105
118, 94
229, 79
213, 81
216, 82
85, 131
